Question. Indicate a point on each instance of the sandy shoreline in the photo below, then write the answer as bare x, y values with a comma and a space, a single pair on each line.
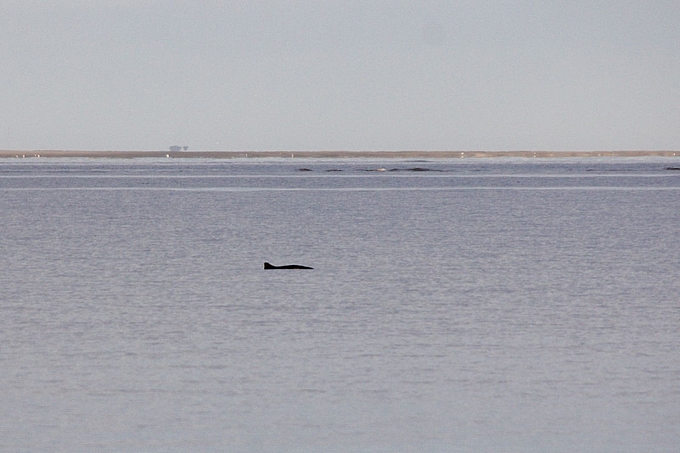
327, 154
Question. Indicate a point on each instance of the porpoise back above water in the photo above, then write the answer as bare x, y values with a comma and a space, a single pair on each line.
288, 266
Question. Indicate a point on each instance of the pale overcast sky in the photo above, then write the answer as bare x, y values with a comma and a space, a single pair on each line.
345, 74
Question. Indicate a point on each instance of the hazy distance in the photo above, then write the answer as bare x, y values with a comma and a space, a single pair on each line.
340, 75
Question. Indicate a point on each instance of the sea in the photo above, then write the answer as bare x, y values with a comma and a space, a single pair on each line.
454, 305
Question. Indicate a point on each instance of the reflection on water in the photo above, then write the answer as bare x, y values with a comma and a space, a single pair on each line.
486, 306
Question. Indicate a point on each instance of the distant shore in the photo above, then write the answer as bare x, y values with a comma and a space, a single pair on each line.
326, 154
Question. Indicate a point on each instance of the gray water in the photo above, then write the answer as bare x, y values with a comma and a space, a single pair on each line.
486, 305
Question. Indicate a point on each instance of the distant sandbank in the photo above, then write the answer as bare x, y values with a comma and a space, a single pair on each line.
327, 154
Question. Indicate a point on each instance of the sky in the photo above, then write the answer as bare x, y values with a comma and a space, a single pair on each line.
340, 74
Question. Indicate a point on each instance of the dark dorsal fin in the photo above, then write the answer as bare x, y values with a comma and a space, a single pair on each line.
289, 266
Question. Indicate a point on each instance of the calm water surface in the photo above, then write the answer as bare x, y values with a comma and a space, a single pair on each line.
491, 305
